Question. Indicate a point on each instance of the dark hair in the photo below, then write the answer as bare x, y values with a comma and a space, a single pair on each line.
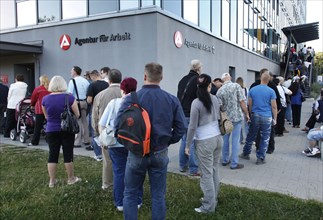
78, 70
105, 69
276, 81
154, 72
294, 87
217, 79
203, 81
20, 77
114, 76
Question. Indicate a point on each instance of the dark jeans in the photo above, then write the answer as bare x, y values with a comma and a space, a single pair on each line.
311, 122
57, 139
39, 124
280, 126
11, 122
3, 109
296, 112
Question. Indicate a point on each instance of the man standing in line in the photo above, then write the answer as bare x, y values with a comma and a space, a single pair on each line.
97, 85
167, 127
233, 101
77, 87
100, 102
187, 88
262, 101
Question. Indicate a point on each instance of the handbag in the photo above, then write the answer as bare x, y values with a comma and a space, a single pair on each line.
107, 137
68, 121
226, 126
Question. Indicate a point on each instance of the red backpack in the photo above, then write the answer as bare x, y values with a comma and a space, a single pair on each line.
134, 128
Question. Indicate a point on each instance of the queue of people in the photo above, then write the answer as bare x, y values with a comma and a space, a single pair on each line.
192, 117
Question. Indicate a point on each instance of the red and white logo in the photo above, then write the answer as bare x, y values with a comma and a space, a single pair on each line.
65, 42
178, 39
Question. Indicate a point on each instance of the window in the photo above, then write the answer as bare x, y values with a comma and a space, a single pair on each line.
216, 17
226, 19
48, 11
128, 4
146, 3
205, 14
74, 8
191, 11
26, 12
7, 15
246, 25
102, 6
240, 23
233, 21
174, 6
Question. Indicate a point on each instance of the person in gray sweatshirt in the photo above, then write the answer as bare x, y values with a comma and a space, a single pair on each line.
204, 129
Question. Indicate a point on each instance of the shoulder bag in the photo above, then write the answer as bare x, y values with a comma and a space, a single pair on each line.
68, 120
226, 126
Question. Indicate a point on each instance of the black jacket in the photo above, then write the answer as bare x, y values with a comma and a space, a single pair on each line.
190, 80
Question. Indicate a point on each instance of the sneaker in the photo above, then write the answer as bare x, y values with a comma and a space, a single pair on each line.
239, 166
269, 152
195, 174
226, 163
285, 131
120, 208
260, 161
89, 148
98, 158
77, 146
246, 157
183, 170
74, 180
52, 184
307, 150
139, 205
106, 187
199, 210
30, 144
88, 143
315, 151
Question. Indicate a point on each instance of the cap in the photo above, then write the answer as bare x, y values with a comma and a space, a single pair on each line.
225, 75
128, 85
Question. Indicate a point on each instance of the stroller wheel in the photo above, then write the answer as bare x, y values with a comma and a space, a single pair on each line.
23, 137
13, 134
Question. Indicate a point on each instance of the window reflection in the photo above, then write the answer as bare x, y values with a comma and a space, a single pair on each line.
128, 4
102, 6
225, 18
48, 11
7, 15
216, 17
233, 21
205, 14
240, 22
174, 6
191, 11
74, 8
26, 18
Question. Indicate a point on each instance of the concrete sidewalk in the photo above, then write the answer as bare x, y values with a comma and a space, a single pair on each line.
287, 170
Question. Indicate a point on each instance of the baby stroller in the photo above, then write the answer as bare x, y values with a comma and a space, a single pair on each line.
25, 121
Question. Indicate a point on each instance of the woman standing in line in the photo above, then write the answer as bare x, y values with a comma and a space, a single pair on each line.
53, 105
36, 101
204, 128
296, 101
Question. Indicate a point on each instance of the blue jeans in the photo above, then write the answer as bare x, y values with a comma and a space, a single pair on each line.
118, 157
244, 130
184, 160
262, 124
136, 168
97, 149
235, 145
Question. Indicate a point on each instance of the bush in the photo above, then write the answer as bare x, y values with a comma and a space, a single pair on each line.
315, 90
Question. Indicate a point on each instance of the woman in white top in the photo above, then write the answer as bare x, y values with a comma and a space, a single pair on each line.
204, 129
17, 92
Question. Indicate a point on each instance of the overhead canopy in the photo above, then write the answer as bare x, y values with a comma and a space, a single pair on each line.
302, 33
9, 48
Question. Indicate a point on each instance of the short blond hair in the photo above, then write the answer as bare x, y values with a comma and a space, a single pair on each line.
57, 84
44, 81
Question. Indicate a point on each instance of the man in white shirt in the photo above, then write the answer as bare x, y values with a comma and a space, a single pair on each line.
78, 87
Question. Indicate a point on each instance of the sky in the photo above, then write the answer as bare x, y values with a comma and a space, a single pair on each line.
314, 14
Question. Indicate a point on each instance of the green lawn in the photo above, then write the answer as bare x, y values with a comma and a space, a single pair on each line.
25, 194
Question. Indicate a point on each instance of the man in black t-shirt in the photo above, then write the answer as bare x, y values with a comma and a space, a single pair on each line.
98, 84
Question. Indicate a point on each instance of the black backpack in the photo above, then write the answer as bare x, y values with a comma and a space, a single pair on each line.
135, 128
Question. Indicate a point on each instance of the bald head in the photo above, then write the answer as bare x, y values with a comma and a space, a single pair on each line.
265, 77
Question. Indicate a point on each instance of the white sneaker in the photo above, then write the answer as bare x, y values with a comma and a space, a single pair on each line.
198, 210
314, 152
120, 208
98, 158
139, 206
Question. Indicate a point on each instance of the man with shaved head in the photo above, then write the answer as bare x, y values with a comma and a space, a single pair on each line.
263, 107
